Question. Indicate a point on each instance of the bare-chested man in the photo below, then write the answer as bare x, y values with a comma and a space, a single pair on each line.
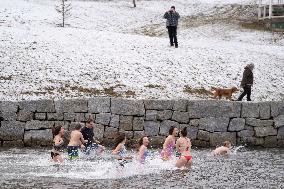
76, 141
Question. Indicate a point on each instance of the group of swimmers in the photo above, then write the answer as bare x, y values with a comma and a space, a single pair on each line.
83, 138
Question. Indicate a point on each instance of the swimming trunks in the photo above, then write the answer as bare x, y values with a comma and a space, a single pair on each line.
73, 152
91, 148
188, 158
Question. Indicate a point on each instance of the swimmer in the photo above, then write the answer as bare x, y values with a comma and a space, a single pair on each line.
142, 149
88, 134
58, 133
169, 144
119, 150
183, 146
76, 141
223, 150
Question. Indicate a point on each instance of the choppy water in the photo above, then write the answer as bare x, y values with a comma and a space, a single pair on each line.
245, 168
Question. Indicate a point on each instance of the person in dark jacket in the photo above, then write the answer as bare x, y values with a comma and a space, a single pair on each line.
247, 82
172, 22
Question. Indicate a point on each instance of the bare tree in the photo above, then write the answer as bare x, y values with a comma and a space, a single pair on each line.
64, 9
134, 3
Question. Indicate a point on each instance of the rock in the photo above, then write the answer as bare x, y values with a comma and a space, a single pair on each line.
270, 141
114, 121
79, 117
258, 122
203, 135
245, 133
280, 134
103, 118
151, 115
236, 124
99, 105
250, 110
280, 143
72, 105
90, 116
181, 117
164, 115
138, 134
214, 124
219, 137
44, 105
8, 110
72, 125
248, 127
36, 124
40, 116
200, 143
127, 107
58, 116
180, 105
255, 141
110, 132
12, 130
158, 104
98, 131
279, 121
151, 128
265, 131
191, 131
126, 123
277, 108
194, 122
264, 110
156, 141
64, 124
69, 116
24, 115
138, 123
129, 134
13, 143
166, 125
38, 138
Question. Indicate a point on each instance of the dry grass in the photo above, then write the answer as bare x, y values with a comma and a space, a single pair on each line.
154, 86
197, 91
6, 78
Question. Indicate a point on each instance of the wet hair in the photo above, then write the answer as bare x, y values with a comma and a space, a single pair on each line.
171, 130
56, 130
78, 126
140, 142
173, 7
184, 132
226, 143
89, 120
119, 139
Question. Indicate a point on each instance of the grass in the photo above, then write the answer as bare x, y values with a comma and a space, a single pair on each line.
154, 86
197, 91
6, 78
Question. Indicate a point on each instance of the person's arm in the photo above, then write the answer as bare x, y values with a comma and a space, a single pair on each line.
178, 16
166, 15
141, 153
116, 150
166, 143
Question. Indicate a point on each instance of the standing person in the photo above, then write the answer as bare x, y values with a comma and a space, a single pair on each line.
183, 146
172, 22
223, 150
119, 149
58, 133
88, 134
247, 82
142, 149
76, 141
169, 144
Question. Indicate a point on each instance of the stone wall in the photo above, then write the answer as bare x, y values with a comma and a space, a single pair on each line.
28, 123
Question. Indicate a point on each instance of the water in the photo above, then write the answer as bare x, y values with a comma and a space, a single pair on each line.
244, 168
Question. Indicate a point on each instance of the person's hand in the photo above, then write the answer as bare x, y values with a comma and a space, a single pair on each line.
82, 146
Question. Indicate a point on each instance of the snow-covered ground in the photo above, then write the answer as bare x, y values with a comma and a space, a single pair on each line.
110, 48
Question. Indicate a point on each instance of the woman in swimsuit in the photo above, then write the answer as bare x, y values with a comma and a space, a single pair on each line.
58, 133
142, 149
183, 146
169, 144
119, 150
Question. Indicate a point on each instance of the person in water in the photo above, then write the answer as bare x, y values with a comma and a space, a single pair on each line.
183, 146
76, 141
58, 133
119, 150
142, 149
88, 134
169, 144
223, 150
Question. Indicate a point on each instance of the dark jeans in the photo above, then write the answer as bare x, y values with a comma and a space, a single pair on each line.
172, 30
247, 91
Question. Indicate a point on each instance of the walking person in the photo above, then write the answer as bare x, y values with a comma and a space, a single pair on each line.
172, 22
247, 82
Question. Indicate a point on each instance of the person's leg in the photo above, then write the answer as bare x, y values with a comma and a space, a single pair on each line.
248, 93
243, 94
170, 35
181, 162
175, 36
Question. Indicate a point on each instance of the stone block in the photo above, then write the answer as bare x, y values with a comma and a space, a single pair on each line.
151, 115
166, 125
73, 125
103, 118
129, 134
194, 122
181, 117
200, 143
138, 123
265, 131
203, 135
13, 143
218, 138
264, 110
36, 124
24, 115
280, 143
90, 116
245, 133
248, 127
277, 108
79, 117
156, 141
72, 105
8, 110
270, 141
69, 116
12, 130
191, 131
38, 138
250, 110
258, 122
99, 105
158, 104
127, 107
151, 128
110, 132
237, 124
126, 123
214, 124
279, 121
164, 115
40, 116
254, 141
180, 105
280, 134
43, 105
114, 121
138, 134
98, 131
57, 116
64, 124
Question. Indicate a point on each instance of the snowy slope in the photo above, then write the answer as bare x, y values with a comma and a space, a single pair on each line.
105, 51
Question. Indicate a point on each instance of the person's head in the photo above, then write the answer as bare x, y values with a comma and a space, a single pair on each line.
173, 131
57, 130
173, 8
234, 89
78, 126
143, 141
227, 144
90, 123
184, 132
121, 138
250, 66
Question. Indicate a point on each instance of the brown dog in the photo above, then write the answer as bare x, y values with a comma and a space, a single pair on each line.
218, 92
